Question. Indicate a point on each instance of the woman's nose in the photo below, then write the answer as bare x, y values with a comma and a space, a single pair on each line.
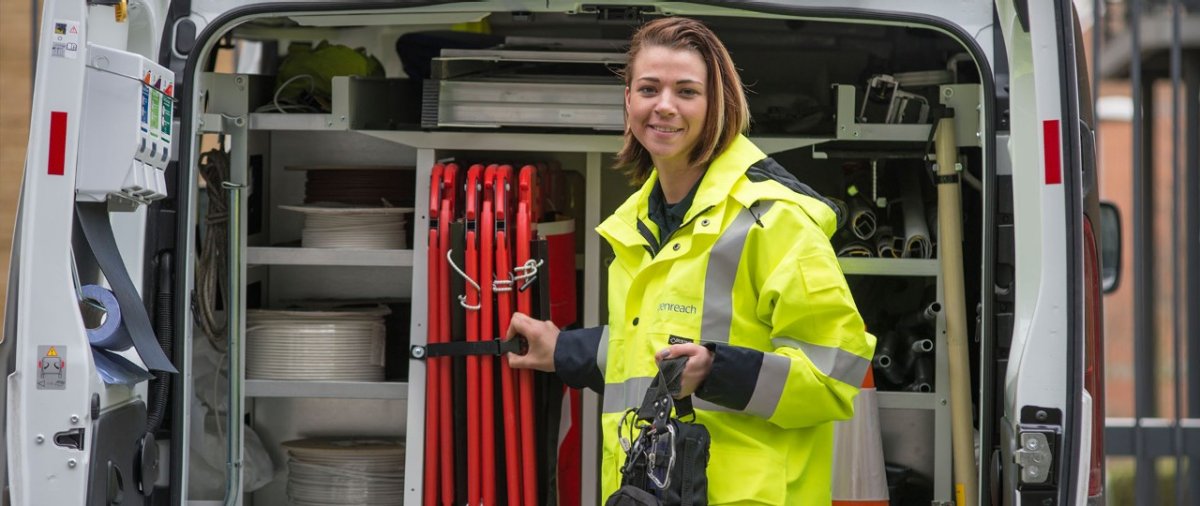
665, 105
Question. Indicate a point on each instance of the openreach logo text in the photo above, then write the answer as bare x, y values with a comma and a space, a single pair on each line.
677, 308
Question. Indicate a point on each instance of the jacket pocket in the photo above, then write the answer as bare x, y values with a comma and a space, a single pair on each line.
738, 476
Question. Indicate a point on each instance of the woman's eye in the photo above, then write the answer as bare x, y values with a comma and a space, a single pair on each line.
688, 92
646, 90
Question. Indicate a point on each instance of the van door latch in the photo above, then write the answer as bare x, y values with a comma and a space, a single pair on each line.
1034, 457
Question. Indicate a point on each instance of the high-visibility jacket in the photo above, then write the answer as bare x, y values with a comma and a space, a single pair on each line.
751, 275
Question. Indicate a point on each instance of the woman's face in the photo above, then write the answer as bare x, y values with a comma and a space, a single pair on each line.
666, 103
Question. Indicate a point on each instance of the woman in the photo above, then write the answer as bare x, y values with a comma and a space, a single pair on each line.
723, 257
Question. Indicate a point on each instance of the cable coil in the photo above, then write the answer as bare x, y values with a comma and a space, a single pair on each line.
351, 471
353, 227
315, 345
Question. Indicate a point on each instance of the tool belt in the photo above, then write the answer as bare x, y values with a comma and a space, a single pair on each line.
667, 462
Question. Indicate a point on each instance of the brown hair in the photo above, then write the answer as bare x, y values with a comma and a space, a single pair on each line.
728, 113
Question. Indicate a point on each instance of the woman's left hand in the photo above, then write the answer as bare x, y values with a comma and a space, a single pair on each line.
698, 365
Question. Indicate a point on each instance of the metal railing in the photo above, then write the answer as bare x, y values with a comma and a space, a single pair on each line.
1149, 436
1117, 14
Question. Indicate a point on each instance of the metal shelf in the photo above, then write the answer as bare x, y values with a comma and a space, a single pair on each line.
294, 121
338, 389
889, 266
910, 400
487, 140
492, 140
329, 256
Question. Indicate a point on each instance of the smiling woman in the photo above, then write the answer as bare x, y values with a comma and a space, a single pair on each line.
722, 258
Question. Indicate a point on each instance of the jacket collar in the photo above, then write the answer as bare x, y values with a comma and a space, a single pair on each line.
716, 186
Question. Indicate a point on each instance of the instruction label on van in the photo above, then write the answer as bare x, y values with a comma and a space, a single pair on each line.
64, 39
52, 368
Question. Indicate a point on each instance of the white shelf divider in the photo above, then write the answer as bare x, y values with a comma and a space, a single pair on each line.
329, 256
387, 390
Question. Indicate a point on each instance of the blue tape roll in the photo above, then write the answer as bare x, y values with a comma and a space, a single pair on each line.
110, 335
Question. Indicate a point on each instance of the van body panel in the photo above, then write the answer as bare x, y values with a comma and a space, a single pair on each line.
40, 471
1045, 371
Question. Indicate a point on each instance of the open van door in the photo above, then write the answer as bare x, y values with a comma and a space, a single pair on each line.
1053, 411
80, 347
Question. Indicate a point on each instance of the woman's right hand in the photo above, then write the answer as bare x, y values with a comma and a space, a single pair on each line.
541, 337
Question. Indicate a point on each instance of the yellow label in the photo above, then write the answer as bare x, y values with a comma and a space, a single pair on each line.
53, 352
122, 11
960, 494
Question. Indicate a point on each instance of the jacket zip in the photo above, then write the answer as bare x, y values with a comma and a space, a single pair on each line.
655, 245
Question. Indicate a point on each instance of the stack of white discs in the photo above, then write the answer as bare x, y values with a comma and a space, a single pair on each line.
353, 227
351, 471
315, 345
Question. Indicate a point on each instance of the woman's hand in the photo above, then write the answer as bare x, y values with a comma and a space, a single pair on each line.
696, 370
541, 337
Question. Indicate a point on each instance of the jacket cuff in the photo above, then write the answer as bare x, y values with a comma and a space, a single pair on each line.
575, 358
734, 374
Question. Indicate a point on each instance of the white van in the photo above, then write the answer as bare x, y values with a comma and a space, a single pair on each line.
151, 228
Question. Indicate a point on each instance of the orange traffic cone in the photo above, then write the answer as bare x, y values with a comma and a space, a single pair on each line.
859, 477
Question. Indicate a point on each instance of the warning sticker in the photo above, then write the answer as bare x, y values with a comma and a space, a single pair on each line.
52, 368
64, 39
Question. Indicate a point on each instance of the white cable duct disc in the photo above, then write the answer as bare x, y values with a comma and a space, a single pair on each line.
315, 345
343, 472
329, 226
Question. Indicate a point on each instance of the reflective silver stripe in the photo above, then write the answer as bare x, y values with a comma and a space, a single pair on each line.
699, 403
602, 351
722, 269
619, 397
836, 363
785, 342
769, 387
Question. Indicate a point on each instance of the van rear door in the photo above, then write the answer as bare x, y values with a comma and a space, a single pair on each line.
74, 433
1047, 421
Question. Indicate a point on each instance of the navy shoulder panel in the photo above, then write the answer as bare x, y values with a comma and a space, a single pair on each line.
768, 169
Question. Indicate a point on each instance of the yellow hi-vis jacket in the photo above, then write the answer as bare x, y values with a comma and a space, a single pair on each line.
751, 275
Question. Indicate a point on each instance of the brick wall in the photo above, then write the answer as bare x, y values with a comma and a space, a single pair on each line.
15, 60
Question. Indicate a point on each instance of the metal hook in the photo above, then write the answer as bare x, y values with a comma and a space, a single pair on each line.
462, 299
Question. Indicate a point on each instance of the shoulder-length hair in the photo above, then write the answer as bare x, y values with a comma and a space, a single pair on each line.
728, 113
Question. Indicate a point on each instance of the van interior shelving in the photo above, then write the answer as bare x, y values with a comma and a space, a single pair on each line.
845, 105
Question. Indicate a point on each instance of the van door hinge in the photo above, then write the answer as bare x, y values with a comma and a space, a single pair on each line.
1034, 457
1038, 438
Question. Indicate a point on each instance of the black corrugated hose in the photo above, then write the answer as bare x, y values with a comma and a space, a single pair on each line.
160, 386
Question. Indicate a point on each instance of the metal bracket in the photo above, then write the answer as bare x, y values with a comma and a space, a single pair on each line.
848, 127
1034, 457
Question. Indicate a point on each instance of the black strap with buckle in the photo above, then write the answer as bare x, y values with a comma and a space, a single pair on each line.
495, 348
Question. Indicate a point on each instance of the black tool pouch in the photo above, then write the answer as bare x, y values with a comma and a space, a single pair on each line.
667, 462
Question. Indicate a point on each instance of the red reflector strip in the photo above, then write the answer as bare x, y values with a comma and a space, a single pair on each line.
58, 143
1053, 151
